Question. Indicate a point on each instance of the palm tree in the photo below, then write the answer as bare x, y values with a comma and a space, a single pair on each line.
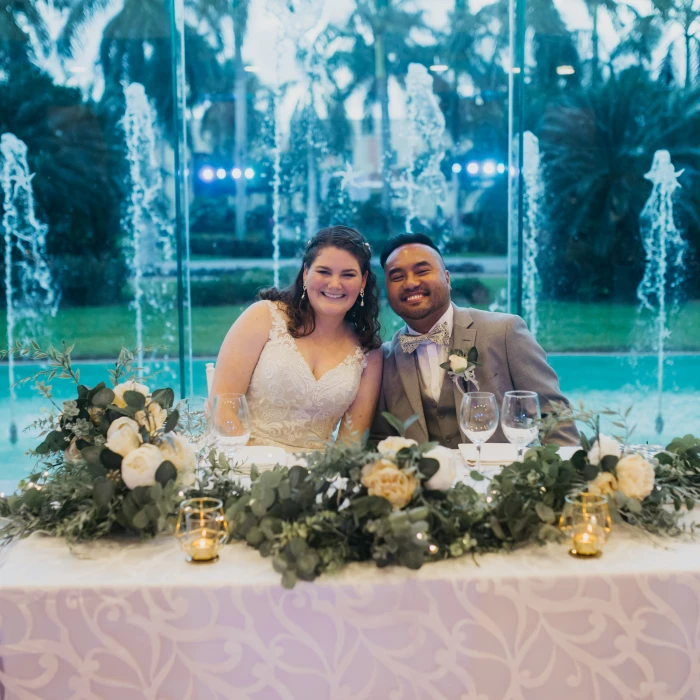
686, 13
594, 7
596, 146
15, 43
382, 47
136, 47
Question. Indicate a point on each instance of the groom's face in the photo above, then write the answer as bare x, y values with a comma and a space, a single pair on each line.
418, 285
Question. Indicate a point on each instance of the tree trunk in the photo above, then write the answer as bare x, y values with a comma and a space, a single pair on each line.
241, 128
595, 65
688, 57
383, 97
312, 190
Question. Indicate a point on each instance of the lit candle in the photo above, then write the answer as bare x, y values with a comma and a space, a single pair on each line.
585, 544
204, 548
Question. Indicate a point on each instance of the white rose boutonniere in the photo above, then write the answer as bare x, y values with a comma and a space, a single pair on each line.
462, 366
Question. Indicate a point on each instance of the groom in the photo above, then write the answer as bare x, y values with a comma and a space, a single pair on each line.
418, 287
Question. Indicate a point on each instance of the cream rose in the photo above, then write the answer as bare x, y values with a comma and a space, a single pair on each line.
177, 450
383, 478
139, 466
123, 436
605, 484
458, 363
152, 418
635, 477
122, 388
445, 475
608, 446
391, 445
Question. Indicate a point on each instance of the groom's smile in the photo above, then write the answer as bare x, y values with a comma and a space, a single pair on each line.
418, 285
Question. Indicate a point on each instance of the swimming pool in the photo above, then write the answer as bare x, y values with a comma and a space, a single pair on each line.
599, 380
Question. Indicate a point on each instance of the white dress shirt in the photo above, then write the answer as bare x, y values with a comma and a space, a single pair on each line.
429, 357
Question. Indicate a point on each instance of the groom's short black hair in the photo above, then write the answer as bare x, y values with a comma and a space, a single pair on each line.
406, 239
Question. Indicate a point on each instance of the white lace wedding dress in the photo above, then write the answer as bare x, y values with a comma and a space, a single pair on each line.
289, 407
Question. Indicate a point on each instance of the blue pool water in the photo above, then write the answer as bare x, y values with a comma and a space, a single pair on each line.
600, 381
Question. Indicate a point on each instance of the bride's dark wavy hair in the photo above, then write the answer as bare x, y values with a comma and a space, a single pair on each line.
364, 319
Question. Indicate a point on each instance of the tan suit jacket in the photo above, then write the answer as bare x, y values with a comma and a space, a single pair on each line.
510, 358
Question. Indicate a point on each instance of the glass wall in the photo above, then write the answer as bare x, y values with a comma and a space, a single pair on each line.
607, 195
163, 160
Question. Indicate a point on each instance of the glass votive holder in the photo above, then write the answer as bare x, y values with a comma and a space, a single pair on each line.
586, 518
201, 529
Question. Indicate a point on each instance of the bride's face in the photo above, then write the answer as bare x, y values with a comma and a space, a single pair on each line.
333, 281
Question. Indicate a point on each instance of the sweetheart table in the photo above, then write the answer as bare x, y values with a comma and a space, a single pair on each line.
127, 620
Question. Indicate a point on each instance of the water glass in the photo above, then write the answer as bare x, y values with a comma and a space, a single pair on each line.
229, 422
201, 528
478, 418
520, 417
194, 418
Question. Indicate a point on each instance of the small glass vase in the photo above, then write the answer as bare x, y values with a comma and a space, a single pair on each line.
586, 519
201, 529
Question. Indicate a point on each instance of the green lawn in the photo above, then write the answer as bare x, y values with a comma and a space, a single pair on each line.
100, 332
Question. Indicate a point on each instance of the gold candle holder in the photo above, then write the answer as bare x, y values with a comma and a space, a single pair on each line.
586, 518
201, 529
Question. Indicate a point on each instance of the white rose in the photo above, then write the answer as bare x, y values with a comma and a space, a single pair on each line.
156, 416
607, 446
122, 388
123, 436
139, 466
391, 445
177, 450
458, 363
445, 475
635, 476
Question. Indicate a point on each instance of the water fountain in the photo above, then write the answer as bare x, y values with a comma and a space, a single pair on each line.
149, 241
426, 139
295, 18
664, 249
532, 223
30, 291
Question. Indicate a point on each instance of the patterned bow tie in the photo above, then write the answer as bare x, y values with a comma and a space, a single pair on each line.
440, 335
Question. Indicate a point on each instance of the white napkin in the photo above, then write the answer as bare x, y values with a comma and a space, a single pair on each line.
262, 456
500, 453
492, 453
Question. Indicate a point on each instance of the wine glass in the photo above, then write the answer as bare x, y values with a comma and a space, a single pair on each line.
520, 416
478, 418
230, 422
194, 418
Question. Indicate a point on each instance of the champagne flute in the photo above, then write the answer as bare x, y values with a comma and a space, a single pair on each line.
230, 422
519, 418
478, 418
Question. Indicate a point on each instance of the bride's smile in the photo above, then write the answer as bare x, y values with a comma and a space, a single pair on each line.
333, 281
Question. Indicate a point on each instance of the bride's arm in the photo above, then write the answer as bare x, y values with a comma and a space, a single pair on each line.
359, 416
241, 350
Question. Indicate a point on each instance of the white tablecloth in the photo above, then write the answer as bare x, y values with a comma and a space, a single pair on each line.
133, 620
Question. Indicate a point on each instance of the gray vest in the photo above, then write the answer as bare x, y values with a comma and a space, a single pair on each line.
440, 418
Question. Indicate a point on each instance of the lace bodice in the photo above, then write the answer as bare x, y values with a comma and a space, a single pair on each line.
289, 407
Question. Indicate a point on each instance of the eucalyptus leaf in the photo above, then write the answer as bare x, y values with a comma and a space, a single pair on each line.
171, 421
166, 472
141, 519
545, 513
394, 422
135, 400
103, 398
103, 489
164, 397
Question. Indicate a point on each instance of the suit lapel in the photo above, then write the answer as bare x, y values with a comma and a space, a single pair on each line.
406, 364
463, 338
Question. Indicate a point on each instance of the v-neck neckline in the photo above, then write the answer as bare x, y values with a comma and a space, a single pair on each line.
327, 372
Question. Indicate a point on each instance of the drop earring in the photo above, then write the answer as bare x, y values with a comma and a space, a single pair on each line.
303, 294
362, 297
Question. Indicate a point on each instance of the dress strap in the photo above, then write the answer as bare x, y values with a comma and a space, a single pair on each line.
279, 323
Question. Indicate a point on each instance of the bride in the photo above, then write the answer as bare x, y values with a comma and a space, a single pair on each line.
309, 356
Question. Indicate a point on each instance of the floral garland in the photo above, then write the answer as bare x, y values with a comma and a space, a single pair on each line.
394, 504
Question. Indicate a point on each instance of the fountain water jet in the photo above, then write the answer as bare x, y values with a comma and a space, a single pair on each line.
426, 139
532, 223
30, 292
664, 249
150, 243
